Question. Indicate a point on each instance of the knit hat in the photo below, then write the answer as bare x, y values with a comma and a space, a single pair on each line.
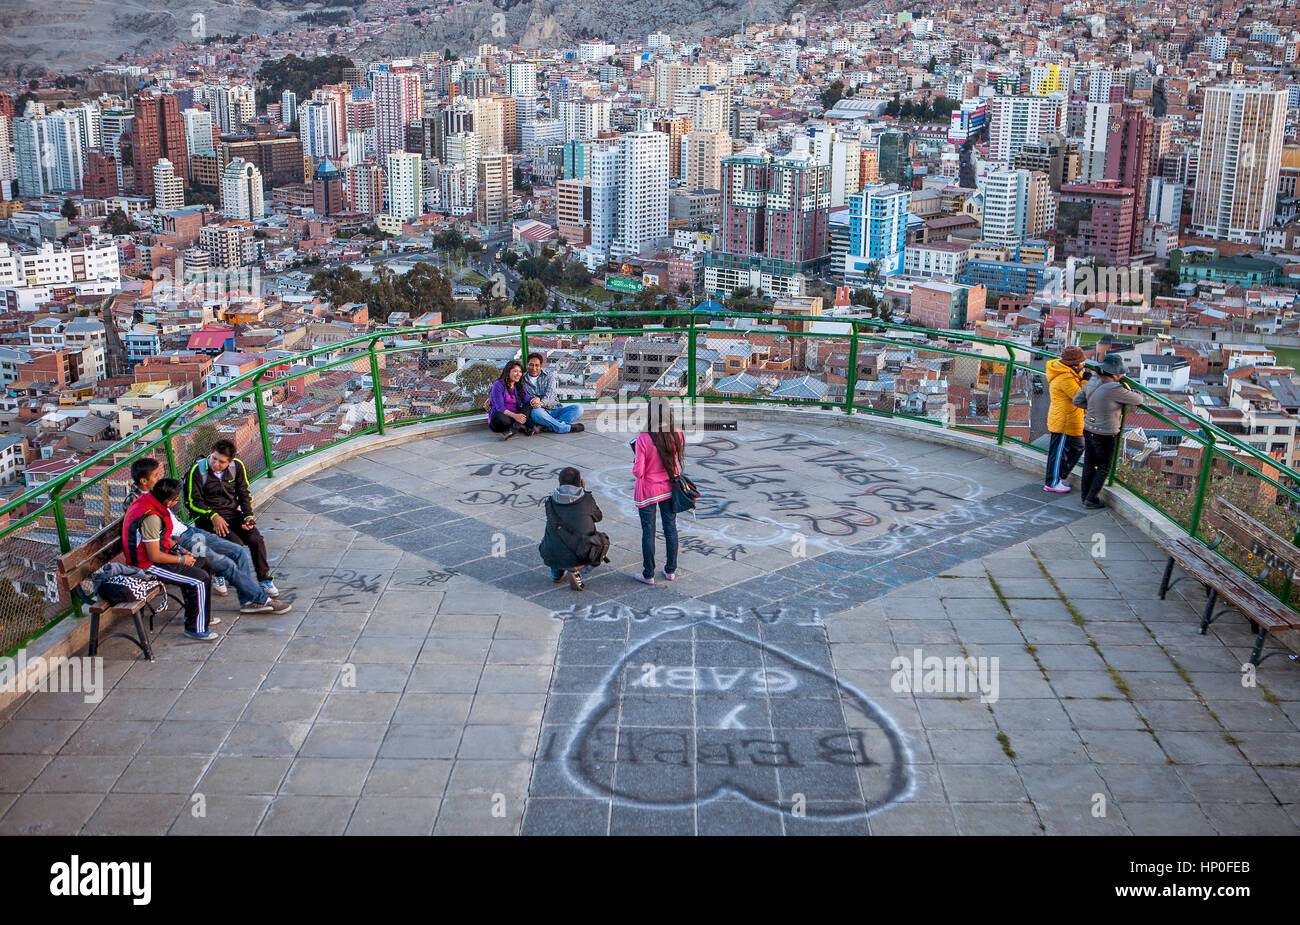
1072, 355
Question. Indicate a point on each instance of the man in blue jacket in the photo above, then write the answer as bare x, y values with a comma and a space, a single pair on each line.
547, 410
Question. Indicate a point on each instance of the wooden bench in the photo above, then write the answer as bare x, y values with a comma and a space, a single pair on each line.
1275, 554
78, 565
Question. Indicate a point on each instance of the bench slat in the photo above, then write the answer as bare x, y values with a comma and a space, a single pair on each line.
1208, 567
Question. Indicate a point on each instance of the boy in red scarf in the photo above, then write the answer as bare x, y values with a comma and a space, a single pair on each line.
146, 543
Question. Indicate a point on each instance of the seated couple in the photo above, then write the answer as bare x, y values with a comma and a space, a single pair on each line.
523, 401
196, 560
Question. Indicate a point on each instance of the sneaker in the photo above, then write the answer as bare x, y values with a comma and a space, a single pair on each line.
1056, 488
671, 576
280, 606
576, 428
645, 581
1063, 486
575, 581
507, 435
257, 608
213, 621
219, 587
206, 635
1093, 505
269, 587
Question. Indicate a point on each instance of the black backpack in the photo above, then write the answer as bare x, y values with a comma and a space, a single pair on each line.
592, 549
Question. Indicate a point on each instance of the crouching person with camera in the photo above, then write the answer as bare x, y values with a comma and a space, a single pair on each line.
571, 541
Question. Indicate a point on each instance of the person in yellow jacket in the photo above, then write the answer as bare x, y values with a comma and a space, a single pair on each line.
1064, 421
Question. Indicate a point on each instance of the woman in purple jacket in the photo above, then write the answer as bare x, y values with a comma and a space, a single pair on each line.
508, 404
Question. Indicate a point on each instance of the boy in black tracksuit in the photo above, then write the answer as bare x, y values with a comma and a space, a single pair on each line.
571, 517
217, 494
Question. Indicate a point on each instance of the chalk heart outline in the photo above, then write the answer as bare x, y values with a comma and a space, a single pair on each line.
901, 781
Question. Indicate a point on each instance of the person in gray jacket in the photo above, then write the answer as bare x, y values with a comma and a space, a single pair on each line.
546, 408
1103, 398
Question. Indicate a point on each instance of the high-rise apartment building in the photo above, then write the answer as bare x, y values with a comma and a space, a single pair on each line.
629, 195
199, 138
399, 101
1095, 220
775, 222
405, 182
702, 154
495, 185
47, 154
1018, 120
168, 190
877, 232
318, 130
158, 132
288, 107
1242, 131
1018, 205
241, 191
521, 79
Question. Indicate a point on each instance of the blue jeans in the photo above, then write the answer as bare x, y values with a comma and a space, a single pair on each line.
231, 561
557, 574
669, 519
559, 419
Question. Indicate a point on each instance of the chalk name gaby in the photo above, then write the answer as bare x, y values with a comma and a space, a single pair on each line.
76, 877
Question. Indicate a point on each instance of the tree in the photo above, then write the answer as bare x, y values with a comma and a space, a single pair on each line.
531, 267
932, 64
864, 297
832, 94
576, 273
531, 297
69, 210
473, 383
510, 258
553, 272
117, 223
340, 286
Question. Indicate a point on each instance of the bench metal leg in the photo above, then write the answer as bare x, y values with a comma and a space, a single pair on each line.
1164, 582
1259, 645
1208, 617
94, 633
144, 637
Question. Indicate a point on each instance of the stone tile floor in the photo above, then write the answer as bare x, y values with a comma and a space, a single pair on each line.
432, 679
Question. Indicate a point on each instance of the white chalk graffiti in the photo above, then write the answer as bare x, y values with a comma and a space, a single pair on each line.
757, 492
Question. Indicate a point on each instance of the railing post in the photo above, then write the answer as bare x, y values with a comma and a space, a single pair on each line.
376, 388
170, 450
65, 545
60, 522
1202, 482
261, 426
691, 386
1007, 378
851, 375
1119, 447
523, 342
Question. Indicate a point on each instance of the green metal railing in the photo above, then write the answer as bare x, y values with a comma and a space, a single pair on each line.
28, 545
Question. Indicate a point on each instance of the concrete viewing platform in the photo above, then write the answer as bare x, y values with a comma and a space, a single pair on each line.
870, 633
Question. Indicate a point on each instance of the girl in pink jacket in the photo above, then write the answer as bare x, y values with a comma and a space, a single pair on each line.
661, 443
